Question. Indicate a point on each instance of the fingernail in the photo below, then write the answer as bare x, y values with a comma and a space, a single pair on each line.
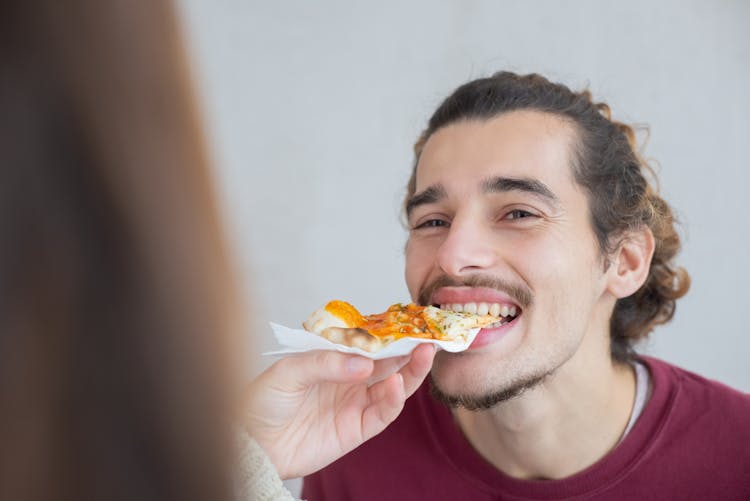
357, 364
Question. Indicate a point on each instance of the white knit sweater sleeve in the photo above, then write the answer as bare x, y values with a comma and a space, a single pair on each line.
257, 479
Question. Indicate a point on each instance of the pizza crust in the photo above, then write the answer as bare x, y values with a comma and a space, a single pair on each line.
356, 338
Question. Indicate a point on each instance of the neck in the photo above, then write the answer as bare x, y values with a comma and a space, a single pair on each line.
561, 426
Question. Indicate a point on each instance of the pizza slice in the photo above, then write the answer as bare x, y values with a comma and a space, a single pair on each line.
341, 323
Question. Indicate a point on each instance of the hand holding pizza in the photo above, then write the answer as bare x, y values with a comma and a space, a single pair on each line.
308, 410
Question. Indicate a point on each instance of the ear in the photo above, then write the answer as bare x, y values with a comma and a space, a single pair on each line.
631, 262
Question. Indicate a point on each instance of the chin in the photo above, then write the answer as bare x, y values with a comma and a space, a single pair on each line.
482, 395
475, 382
455, 373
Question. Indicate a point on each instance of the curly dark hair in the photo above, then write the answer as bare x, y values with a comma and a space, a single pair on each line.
607, 165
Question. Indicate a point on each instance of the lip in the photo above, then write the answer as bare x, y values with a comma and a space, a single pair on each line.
486, 337
464, 295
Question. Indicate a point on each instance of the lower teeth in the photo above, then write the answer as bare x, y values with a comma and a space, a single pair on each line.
500, 322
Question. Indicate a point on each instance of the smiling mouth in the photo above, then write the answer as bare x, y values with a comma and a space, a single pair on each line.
505, 313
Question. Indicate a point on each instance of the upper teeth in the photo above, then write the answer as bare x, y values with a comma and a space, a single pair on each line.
494, 309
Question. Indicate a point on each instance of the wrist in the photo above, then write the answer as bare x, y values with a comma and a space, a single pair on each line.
268, 448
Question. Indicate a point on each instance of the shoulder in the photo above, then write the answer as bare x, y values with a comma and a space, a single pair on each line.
695, 388
696, 429
700, 409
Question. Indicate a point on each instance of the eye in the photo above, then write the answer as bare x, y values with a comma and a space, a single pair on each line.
431, 223
519, 214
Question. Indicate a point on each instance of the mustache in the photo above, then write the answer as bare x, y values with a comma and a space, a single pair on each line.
520, 294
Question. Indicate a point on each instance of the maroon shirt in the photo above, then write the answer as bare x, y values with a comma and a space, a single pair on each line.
692, 441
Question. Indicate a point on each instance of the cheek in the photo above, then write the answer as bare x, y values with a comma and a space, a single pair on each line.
556, 254
564, 274
419, 261
537, 259
555, 269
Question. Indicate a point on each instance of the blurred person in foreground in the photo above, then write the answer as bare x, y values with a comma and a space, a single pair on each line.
528, 200
117, 300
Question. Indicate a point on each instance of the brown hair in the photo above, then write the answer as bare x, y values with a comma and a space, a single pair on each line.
116, 297
607, 165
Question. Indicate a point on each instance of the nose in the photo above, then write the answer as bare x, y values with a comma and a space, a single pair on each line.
467, 249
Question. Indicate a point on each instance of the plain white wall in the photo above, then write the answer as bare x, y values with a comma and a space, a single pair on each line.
312, 108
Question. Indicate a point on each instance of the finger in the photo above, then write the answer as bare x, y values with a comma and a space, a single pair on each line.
309, 368
387, 366
418, 367
386, 401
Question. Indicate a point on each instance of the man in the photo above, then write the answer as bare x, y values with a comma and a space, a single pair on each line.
529, 202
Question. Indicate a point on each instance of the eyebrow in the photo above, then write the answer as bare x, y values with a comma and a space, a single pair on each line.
433, 194
498, 184
528, 185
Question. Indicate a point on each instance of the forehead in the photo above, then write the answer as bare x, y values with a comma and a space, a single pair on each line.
519, 144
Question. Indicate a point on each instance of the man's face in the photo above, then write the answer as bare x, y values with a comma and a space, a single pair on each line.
498, 219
